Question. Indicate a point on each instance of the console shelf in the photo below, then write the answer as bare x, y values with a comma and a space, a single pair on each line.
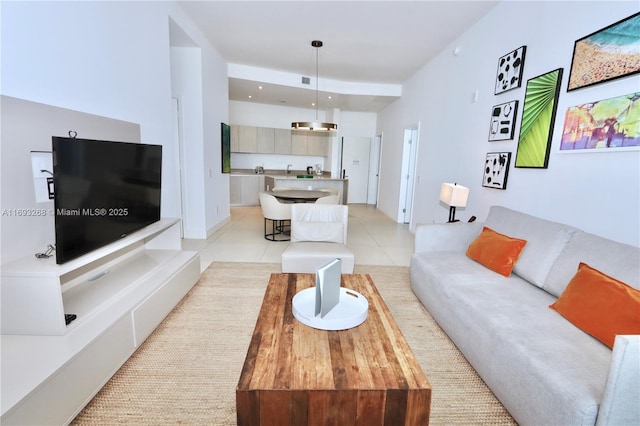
120, 293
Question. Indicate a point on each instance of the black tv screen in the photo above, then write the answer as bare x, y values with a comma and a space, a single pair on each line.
103, 191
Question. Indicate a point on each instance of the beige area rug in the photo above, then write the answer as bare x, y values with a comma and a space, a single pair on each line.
186, 372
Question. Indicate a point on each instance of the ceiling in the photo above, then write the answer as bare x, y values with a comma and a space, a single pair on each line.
370, 47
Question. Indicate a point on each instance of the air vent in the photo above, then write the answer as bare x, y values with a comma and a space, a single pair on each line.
306, 80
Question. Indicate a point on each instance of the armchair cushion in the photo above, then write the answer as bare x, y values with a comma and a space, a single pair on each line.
318, 231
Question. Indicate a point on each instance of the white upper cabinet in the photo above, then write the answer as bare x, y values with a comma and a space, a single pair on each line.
266, 140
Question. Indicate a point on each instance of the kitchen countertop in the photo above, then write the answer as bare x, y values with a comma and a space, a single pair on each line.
282, 174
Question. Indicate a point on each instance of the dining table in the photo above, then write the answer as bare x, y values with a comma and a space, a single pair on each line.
299, 195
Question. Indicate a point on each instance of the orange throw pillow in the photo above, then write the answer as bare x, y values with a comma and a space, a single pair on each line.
496, 251
600, 305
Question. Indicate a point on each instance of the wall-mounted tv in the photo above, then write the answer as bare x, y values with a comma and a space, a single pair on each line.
104, 190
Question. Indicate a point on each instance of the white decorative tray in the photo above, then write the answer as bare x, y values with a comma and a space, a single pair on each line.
350, 312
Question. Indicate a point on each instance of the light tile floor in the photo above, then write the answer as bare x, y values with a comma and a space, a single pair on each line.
374, 238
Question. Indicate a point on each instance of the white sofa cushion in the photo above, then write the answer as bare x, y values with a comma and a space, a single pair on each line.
617, 260
545, 241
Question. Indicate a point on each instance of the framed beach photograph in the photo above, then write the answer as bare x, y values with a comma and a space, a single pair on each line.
496, 170
607, 125
509, 74
503, 121
606, 54
538, 117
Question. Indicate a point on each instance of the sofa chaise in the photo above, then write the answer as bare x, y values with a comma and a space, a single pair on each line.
543, 368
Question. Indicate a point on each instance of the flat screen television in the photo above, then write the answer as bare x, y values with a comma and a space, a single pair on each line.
103, 191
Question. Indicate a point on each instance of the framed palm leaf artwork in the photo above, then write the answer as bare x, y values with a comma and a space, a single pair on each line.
538, 117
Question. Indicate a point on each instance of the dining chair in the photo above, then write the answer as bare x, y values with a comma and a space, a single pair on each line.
333, 191
318, 236
279, 214
329, 199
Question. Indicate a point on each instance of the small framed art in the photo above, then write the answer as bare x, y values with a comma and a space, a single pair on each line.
510, 66
503, 121
496, 170
607, 54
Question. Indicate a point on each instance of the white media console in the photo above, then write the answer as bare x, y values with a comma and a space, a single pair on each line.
119, 293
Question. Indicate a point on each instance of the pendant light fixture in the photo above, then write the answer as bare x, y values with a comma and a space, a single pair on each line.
315, 126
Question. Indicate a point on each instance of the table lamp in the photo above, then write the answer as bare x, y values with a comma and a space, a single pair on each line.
454, 195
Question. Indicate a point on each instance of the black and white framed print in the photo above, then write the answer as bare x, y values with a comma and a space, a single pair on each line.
510, 68
496, 170
503, 121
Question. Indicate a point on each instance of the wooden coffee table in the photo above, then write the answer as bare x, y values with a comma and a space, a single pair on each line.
297, 375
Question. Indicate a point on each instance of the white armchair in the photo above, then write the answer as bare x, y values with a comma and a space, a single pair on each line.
318, 235
278, 213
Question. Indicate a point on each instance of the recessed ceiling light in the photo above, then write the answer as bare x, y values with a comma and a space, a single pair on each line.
260, 87
329, 97
250, 96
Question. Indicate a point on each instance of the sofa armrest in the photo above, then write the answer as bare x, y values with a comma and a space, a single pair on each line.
621, 400
445, 236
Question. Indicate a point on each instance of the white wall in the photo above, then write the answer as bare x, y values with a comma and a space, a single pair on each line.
200, 83
113, 59
186, 84
597, 192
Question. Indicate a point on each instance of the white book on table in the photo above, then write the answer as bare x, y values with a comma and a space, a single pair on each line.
328, 287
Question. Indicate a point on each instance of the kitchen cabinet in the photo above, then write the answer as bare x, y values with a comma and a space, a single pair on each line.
282, 143
266, 140
299, 143
244, 189
317, 144
247, 139
235, 139
309, 143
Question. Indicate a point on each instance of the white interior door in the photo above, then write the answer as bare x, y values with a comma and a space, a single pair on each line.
177, 140
374, 170
409, 147
355, 166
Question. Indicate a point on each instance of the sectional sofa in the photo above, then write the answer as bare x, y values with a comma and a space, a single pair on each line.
539, 364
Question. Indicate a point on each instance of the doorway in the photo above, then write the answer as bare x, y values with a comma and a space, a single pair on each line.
409, 149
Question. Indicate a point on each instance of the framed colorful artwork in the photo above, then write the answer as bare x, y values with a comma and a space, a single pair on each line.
538, 117
496, 170
503, 121
225, 137
607, 125
510, 66
607, 54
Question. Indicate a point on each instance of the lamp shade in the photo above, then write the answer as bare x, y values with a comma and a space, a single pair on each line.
454, 195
